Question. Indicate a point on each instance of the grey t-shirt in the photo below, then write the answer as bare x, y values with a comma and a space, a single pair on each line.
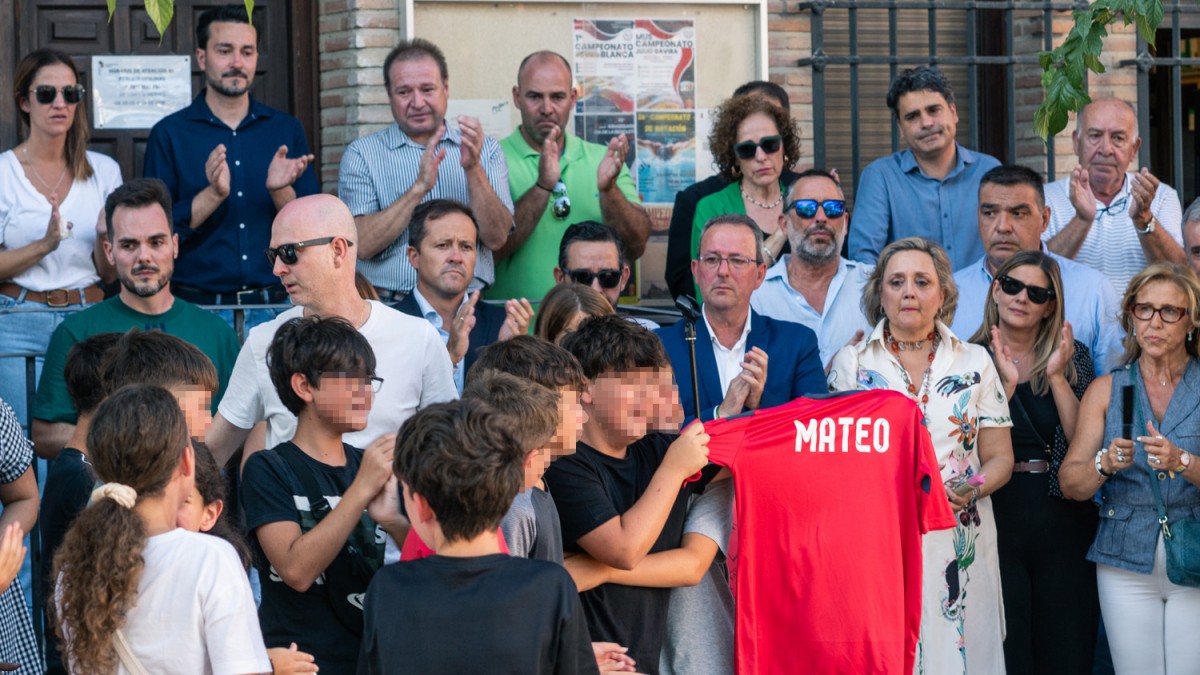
700, 619
531, 527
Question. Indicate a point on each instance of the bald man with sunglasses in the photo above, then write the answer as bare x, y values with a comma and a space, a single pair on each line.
312, 246
814, 285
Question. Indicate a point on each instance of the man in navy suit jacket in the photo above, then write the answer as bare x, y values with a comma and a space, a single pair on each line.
744, 361
443, 239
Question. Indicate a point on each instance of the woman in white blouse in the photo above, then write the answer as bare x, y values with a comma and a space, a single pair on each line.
911, 298
52, 192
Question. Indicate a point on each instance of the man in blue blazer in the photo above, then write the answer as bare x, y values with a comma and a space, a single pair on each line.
443, 238
744, 361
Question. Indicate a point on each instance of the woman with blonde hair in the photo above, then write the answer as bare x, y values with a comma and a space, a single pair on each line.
135, 593
565, 307
911, 298
1043, 537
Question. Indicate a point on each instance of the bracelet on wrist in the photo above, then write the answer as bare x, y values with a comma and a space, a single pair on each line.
539, 184
1100, 465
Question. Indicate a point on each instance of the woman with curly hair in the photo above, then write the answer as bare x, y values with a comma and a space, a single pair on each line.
135, 593
752, 141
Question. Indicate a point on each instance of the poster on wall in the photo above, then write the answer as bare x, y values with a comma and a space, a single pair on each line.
135, 92
637, 77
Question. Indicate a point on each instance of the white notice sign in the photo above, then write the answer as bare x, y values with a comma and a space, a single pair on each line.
134, 92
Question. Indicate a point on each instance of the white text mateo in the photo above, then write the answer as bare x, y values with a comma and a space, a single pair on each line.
863, 434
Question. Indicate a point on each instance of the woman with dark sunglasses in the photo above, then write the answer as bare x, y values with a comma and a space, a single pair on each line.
1138, 429
52, 191
1049, 587
752, 141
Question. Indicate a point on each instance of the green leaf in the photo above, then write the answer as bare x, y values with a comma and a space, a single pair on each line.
112, 8
160, 12
250, 10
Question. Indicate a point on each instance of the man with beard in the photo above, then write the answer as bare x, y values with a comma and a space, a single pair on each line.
1105, 216
230, 164
558, 179
928, 190
813, 285
142, 248
443, 241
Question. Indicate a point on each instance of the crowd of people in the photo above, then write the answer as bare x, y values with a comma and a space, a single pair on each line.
452, 454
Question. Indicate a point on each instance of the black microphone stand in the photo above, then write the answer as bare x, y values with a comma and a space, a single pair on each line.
690, 310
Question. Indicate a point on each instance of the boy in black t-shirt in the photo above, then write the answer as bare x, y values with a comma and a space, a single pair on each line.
95, 366
468, 608
619, 495
315, 561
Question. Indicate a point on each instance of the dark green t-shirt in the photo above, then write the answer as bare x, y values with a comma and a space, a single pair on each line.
184, 320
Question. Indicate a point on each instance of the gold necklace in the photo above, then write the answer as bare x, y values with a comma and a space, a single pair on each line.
37, 174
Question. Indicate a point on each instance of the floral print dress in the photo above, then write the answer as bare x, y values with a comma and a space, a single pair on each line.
962, 613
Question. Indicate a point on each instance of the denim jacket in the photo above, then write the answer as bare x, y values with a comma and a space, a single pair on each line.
1129, 528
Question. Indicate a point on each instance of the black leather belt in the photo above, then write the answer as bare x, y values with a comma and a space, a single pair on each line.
269, 295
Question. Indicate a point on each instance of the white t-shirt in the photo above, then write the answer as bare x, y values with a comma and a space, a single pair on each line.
194, 611
409, 356
24, 214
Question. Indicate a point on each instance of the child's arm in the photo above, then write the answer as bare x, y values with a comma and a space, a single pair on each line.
683, 566
292, 660
301, 558
624, 540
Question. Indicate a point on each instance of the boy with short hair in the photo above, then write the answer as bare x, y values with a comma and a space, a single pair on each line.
619, 495
315, 561
469, 608
531, 525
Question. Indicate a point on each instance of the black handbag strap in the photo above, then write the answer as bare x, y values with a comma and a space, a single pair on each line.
316, 500
1139, 423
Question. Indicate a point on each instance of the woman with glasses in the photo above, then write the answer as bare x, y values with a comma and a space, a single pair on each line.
52, 192
565, 307
752, 141
1043, 537
1133, 443
911, 298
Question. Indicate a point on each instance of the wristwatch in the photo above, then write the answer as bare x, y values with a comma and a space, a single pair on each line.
1150, 226
1185, 460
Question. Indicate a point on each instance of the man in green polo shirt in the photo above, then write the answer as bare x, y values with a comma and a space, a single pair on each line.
558, 179
142, 247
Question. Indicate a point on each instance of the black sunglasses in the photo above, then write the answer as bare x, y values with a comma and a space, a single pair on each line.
608, 278
807, 208
46, 93
1038, 295
287, 252
769, 144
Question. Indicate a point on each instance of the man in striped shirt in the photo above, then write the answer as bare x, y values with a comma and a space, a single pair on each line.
384, 176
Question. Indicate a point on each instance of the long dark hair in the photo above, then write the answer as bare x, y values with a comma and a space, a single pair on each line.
79, 133
137, 438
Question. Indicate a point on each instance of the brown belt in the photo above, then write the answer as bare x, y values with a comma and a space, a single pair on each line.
59, 297
1033, 466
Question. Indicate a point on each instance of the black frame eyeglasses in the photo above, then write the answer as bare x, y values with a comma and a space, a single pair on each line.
47, 93
807, 208
288, 252
361, 380
1038, 295
748, 149
608, 278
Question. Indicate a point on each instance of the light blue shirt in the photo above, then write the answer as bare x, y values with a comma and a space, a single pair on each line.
843, 304
896, 199
431, 315
1091, 305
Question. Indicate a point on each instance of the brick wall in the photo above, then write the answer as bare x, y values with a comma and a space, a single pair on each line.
355, 36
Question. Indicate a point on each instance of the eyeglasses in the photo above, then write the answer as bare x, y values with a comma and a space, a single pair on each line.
560, 202
748, 149
1038, 295
46, 93
1144, 311
287, 252
737, 263
608, 278
807, 208
376, 383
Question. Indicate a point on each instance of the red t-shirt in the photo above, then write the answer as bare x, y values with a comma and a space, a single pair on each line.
833, 496
414, 548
